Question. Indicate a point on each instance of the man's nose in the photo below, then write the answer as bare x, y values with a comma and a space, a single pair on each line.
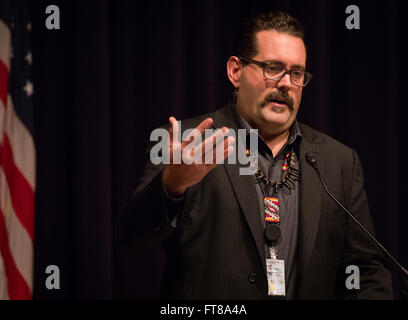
284, 84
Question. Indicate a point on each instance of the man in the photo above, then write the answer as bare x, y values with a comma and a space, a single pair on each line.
224, 233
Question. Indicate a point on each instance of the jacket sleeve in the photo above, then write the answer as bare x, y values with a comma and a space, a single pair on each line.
359, 250
151, 212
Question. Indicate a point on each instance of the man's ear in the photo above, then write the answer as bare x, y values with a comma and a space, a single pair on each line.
234, 69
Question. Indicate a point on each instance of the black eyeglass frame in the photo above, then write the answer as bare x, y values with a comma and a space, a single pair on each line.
264, 64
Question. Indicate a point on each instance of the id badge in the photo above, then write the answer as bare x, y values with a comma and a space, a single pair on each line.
275, 271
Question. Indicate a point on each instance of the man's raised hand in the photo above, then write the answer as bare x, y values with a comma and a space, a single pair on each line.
190, 163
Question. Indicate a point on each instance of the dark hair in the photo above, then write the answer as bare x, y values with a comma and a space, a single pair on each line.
246, 44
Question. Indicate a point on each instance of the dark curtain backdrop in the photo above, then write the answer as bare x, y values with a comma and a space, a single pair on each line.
118, 69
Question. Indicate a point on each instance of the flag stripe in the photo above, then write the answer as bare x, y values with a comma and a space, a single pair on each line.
3, 283
2, 123
5, 37
22, 195
21, 141
3, 82
20, 244
17, 287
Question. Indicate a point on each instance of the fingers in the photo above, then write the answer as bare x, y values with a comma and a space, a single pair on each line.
223, 151
204, 125
214, 147
197, 132
207, 146
173, 129
210, 151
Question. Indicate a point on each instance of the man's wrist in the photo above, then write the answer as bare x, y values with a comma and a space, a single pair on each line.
172, 193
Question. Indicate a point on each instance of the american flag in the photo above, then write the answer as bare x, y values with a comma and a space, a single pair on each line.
17, 152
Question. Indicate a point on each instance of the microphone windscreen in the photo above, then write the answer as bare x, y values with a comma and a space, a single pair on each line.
310, 158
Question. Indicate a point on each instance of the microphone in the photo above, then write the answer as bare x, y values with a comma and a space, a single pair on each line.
311, 159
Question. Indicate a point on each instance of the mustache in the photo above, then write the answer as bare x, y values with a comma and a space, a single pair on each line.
279, 95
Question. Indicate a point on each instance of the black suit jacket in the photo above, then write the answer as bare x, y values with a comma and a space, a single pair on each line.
216, 248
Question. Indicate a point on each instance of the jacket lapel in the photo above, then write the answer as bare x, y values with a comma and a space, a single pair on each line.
311, 192
243, 186
245, 192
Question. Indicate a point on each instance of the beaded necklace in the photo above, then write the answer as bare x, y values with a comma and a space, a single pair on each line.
271, 203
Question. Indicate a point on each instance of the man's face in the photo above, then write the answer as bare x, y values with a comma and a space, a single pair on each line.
257, 94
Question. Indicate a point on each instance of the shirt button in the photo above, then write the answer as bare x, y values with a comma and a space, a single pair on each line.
252, 277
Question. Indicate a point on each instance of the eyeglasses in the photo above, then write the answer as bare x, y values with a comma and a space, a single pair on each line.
276, 71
